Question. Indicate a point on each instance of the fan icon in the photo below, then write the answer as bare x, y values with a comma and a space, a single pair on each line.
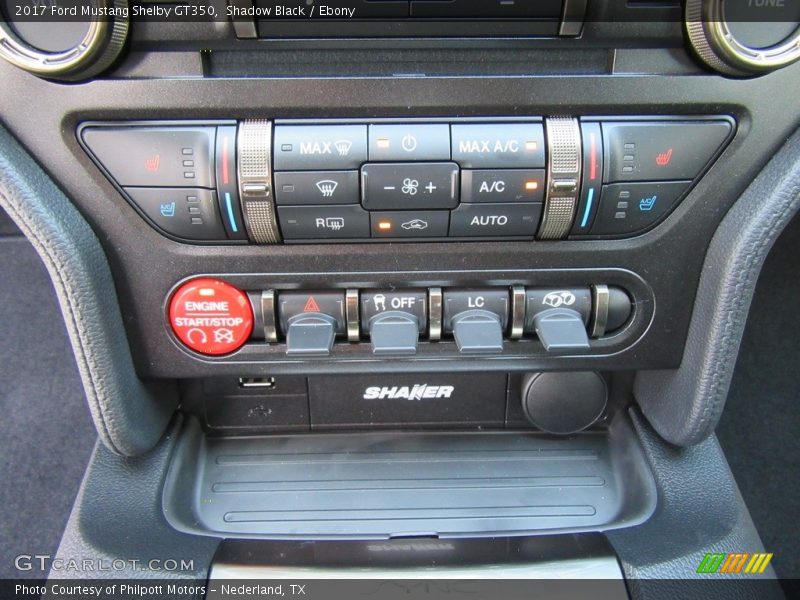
410, 186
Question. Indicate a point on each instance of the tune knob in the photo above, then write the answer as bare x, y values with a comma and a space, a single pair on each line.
744, 37
67, 40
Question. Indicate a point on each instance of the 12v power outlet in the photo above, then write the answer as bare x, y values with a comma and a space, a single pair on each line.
211, 317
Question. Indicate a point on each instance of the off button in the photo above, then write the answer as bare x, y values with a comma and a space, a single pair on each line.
211, 317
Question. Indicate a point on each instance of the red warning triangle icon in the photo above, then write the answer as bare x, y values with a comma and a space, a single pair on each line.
311, 305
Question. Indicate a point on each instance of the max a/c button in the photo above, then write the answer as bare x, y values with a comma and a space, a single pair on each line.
495, 220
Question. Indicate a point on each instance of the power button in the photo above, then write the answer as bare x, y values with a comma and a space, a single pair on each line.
211, 317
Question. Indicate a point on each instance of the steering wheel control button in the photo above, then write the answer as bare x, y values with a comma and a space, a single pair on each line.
320, 147
403, 186
632, 207
155, 156
495, 220
211, 317
660, 151
476, 319
409, 142
323, 222
499, 146
311, 321
187, 213
410, 224
317, 187
502, 185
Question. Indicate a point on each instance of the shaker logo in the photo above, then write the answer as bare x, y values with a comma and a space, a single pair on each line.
416, 392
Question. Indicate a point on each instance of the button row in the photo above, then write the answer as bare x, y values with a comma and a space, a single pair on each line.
212, 317
353, 222
346, 147
401, 186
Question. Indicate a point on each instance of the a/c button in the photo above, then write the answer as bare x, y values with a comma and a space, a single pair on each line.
495, 220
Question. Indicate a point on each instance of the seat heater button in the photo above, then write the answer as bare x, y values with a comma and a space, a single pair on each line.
155, 156
660, 151
188, 213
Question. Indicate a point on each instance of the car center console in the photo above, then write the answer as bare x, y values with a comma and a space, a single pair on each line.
430, 235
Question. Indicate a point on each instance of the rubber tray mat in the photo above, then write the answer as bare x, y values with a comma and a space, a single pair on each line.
379, 485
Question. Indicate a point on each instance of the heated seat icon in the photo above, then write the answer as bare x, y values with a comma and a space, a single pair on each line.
153, 163
662, 160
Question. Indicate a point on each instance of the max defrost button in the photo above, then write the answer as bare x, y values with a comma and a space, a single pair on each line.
320, 147
211, 317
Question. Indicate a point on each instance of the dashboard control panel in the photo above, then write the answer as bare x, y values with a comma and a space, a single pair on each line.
269, 182
212, 317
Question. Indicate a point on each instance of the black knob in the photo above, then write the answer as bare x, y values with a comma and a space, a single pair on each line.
63, 47
564, 403
742, 37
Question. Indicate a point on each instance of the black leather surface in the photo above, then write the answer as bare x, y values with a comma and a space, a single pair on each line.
684, 405
699, 510
129, 416
118, 515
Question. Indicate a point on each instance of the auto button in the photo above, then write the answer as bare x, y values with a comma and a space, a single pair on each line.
495, 220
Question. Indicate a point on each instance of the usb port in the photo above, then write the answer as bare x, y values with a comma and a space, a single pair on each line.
267, 383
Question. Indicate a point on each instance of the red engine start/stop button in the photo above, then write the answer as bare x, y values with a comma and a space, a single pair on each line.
211, 317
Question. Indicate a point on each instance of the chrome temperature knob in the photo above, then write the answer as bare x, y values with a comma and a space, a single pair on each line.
52, 40
744, 37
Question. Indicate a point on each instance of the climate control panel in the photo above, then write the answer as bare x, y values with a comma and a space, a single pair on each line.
268, 182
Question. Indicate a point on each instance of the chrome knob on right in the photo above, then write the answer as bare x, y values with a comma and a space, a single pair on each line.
744, 37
